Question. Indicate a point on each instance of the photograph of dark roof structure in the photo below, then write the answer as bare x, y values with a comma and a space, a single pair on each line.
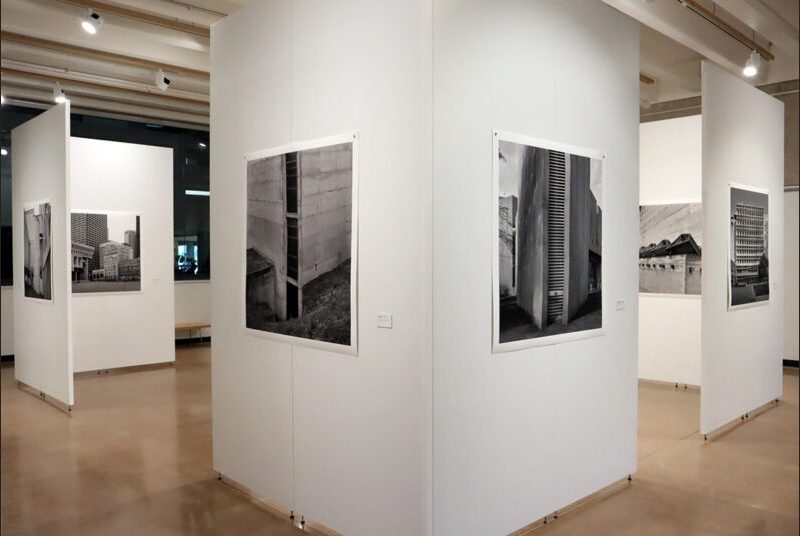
670, 248
550, 214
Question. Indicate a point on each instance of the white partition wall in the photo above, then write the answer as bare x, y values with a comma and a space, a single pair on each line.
670, 171
338, 438
400, 440
519, 435
120, 329
42, 347
741, 348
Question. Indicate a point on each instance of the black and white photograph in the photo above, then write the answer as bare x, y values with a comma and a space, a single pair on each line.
670, 248
549, 223
106, 252
36, 244
300, 247
748, 264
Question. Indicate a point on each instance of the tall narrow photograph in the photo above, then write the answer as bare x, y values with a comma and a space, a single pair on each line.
670, 248
106, 252
550, 225
748, 275
299, 279
36, 245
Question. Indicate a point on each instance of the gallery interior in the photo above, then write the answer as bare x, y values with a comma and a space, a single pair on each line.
408, 267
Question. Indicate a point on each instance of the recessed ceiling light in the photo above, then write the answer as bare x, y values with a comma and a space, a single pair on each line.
752, 65
92, 22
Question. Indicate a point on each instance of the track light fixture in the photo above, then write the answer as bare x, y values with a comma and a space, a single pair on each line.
162, 82
92, 22
752, 65
58, 94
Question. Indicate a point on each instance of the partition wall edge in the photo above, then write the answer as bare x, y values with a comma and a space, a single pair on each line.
42, 328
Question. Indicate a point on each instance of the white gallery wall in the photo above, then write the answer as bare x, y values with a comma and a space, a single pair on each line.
42, 331
123, 329
193, 304
741, 349
520, 435
670, 171
341, 439
791, 276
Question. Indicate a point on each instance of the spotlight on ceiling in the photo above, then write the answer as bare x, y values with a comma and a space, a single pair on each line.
58, 95
92, 22
202, 145
752, 65
3, 151
2, 99
162, 82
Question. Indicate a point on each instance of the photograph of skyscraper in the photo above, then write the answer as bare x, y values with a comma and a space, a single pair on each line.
749, 247
105, 252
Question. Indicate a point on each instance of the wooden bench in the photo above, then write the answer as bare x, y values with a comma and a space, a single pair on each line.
191, 327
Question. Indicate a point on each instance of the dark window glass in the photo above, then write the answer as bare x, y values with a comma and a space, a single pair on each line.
190, 182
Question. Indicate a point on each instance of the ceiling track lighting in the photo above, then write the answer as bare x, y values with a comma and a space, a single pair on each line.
162, 82
58, 94
91, 23
752, 65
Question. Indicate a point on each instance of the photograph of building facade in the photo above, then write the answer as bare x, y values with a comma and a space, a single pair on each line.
299, 244
36, 245
550, 242
99, 262
670, 248
749, 246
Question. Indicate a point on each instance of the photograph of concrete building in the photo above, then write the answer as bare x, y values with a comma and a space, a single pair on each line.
549, 272
670, 248
748, 265
105, 252
36, 246
300, 239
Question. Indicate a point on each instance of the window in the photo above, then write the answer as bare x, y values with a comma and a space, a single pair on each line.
190, 182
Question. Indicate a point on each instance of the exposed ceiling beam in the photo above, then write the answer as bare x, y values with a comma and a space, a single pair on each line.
128, 89
112, 57
104, 8
95, 106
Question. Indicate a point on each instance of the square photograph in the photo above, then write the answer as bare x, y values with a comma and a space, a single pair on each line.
106, 252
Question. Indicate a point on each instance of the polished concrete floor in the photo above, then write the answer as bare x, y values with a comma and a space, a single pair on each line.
135, 458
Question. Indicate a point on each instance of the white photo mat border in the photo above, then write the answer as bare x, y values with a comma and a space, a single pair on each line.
513, 346
337, 139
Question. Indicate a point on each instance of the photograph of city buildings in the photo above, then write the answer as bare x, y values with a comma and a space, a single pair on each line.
748, 250
299, 244
670, 248
550, 215
106, 252
36, 245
